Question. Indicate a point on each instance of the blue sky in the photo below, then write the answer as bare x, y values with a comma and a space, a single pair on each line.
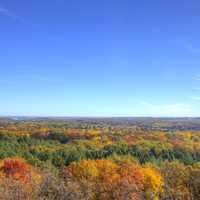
100, 58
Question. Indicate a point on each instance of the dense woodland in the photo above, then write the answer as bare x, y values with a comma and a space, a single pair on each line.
99, 159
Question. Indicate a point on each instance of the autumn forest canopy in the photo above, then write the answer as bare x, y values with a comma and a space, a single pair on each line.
99, 159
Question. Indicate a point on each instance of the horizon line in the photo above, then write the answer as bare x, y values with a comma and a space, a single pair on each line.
74, 116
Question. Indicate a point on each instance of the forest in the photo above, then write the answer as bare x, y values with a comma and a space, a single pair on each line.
99, 159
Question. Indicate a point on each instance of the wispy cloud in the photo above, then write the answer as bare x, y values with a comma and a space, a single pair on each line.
9, 82
197, 78
12, 15
26, 79
196, 88
197, 98
44, 78
191, 48
176, 109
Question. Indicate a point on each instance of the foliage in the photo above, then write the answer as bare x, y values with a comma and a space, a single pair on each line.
99, 160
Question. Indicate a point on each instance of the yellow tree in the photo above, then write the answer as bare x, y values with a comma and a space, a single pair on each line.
106, 180
153, 183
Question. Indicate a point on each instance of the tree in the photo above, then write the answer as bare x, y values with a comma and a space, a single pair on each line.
16, 169
153, 183
106, 180
175, 180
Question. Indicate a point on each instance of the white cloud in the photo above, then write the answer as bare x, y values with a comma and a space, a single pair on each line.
10, 14
176, 109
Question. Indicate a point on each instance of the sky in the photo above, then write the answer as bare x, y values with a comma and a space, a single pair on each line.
100, 58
